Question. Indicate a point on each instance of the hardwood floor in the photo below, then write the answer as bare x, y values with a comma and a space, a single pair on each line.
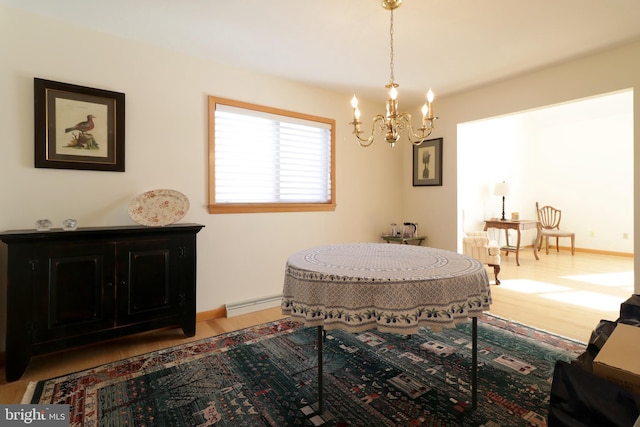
560, 293
564, 294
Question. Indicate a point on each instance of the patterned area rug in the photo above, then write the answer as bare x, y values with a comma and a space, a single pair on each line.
267, 376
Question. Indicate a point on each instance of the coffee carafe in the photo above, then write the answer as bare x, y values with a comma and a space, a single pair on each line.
410, 229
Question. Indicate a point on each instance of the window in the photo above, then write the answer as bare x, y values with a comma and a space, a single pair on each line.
263, 159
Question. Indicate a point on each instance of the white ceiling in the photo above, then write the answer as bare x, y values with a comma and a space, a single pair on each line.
448, 45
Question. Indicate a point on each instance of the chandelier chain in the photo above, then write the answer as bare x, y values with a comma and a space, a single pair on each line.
391, 76
394, 123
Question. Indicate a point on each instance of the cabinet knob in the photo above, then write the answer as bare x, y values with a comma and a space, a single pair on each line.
109, 284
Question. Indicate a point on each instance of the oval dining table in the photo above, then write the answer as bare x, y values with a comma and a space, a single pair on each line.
392, 288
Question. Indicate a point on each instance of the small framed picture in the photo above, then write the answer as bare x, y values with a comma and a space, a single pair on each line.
78, 127
427, 163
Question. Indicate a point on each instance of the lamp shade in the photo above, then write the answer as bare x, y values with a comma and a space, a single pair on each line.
501, 189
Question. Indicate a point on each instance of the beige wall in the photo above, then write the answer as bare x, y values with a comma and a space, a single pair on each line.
573, 156
608, 71
240, 256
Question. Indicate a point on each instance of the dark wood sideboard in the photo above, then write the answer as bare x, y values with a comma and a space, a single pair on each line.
70, 288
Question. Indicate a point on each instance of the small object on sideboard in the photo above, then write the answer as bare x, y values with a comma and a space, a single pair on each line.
69, 224
43, 225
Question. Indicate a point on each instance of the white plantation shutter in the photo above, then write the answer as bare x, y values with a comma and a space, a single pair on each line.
262, 157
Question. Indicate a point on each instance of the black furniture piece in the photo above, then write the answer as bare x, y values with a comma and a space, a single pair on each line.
582, 399
579, 398
70, 288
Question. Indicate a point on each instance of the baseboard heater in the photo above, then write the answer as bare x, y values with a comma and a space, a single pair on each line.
249, 306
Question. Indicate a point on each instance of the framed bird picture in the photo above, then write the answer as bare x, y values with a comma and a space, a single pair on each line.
78, 127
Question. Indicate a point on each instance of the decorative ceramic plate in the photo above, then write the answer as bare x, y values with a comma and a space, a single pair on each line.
158, 207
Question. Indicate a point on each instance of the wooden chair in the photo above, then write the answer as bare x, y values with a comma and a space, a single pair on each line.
549, 218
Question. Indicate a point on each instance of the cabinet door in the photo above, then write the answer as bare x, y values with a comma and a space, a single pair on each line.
148, 285
74, 290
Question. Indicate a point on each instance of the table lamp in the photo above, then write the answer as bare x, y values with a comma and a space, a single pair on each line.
502, 189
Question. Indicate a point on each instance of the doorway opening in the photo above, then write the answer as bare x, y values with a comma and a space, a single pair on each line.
576, 156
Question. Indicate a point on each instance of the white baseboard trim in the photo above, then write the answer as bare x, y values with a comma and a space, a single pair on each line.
249, 306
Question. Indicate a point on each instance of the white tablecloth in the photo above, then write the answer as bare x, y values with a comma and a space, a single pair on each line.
394, 288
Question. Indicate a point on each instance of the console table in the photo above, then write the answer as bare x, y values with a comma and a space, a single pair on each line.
519, 226
403, 240
394, 288
69, 288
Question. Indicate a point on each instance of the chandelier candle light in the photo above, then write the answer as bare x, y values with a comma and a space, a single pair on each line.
392, 124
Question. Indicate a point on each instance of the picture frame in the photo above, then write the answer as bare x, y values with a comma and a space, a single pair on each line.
78, 127
427, 163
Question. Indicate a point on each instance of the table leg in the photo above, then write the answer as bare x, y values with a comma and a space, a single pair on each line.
506, 239
474, 363
518, 249
319, 345
535, 243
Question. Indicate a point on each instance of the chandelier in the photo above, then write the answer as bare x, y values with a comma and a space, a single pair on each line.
393, 123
